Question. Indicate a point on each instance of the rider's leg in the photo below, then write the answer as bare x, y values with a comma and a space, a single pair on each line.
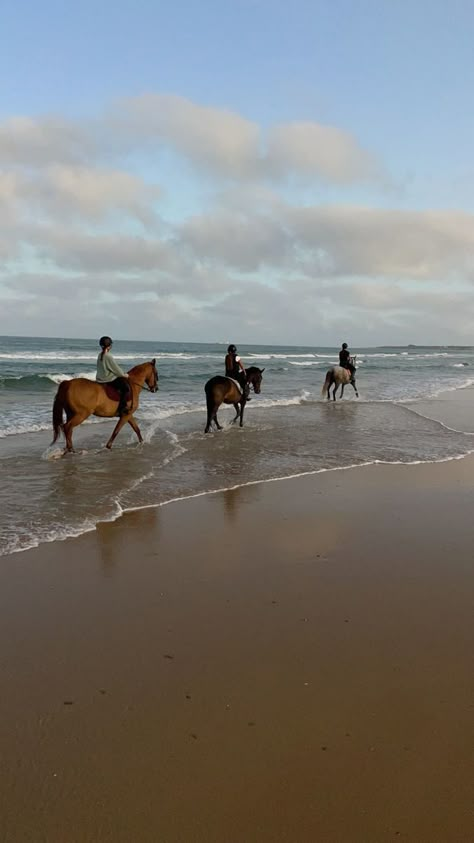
124, 389
245, 386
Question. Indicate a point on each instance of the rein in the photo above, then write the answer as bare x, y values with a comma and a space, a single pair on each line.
142, 386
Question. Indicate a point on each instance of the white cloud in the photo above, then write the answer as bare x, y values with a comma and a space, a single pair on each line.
216, 139
90, 192
233, 239
81, 221
311, 149
418, 245
36, 142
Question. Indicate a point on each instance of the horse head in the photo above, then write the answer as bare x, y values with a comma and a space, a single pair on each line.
151, 378
254, 377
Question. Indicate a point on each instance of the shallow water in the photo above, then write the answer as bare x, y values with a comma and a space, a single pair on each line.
289, 429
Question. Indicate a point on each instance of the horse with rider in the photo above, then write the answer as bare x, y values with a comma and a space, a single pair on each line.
341, 375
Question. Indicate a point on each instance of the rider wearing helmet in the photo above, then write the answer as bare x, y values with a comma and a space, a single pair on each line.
234, 368
108, 371
345, 360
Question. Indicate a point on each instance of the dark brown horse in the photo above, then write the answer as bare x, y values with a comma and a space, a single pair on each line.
223, 390
80, 398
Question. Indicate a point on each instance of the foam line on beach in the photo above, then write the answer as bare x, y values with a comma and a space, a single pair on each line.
261, 481
437, 421
88, 525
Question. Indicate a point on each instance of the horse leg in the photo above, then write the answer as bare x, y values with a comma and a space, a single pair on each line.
355, 388
237, 412
219, 426
118, 427
73, 421
342, 389
242, 408
334, 391
212, 417
135, 427
212, 408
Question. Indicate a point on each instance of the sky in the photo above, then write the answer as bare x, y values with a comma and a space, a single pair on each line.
264, 171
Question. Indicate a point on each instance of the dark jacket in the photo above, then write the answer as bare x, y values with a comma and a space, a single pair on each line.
232, 368
344, 358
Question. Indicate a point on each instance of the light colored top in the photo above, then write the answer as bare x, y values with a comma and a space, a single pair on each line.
108, 369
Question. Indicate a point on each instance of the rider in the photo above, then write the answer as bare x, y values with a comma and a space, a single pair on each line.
345, 360
108, 371
234, 368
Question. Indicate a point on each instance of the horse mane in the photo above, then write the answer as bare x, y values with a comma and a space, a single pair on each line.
139, 367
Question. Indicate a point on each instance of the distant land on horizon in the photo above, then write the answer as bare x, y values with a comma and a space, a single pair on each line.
225, 342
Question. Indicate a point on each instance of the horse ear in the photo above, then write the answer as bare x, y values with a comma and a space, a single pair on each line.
153, 362
262, 370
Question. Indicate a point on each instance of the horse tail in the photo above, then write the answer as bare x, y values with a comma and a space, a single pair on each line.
209, 397
58, 408
327, 383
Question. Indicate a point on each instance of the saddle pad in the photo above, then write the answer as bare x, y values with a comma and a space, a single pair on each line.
236, 383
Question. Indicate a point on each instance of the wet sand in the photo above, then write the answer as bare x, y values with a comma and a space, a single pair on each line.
455, 409
289, 661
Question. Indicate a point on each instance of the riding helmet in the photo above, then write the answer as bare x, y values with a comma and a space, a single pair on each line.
344, 345
232, 349
105, 342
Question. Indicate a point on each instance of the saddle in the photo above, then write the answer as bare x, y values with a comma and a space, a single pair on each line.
111, 392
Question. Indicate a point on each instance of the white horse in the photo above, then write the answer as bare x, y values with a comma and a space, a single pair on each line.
339, 377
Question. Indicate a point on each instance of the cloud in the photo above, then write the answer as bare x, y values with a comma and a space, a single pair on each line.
336, 241
216, 139
325, 152
36, 142
87, 232
89, 192
417, 245
71, 249
242, 242
228, 145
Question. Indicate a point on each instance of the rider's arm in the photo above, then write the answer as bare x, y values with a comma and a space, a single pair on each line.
114, 367
241, 365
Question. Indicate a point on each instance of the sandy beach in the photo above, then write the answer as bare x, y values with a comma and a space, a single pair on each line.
289, 661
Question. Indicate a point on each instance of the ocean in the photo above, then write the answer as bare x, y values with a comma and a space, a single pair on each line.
289, 428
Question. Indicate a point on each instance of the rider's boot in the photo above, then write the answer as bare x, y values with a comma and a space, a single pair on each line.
125, 408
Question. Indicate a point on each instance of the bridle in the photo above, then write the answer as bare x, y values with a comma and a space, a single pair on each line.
145, 385
142, 386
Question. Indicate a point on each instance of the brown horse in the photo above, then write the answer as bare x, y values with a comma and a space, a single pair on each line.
223, 390
80, 398
338, 376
